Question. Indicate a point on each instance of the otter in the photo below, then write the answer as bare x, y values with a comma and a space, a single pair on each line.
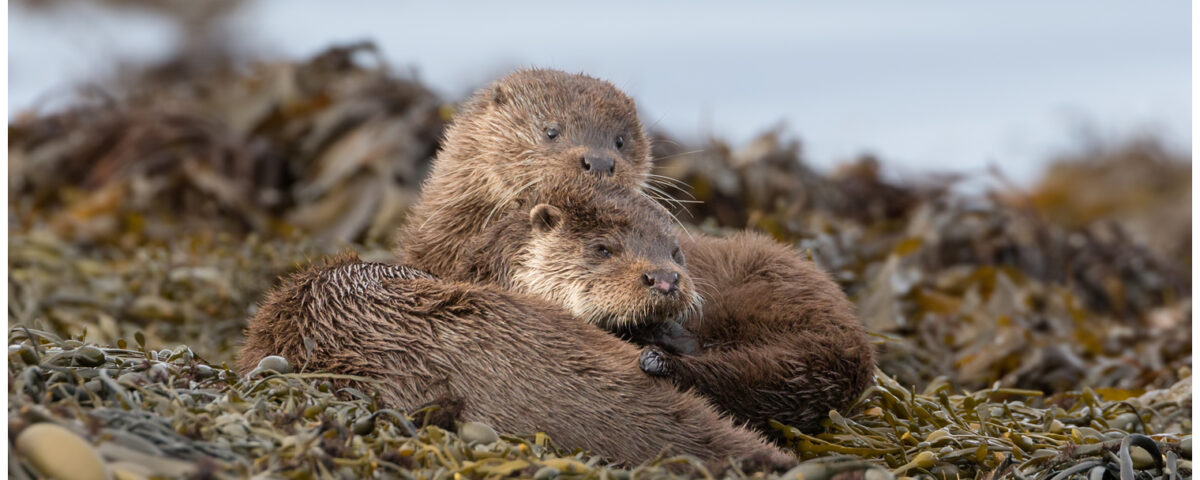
493, 355
777, 337
534, 130
595, 253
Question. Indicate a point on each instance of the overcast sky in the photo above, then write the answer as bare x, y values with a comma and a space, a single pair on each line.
946, 85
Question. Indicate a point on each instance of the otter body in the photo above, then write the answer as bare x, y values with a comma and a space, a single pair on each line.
778, 339
493, 356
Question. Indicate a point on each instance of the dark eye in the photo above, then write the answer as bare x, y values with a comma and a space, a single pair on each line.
620, 142
677, 255
552, 133
603, 251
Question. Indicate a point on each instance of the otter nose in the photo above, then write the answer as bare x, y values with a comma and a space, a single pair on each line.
598, 165
662, 281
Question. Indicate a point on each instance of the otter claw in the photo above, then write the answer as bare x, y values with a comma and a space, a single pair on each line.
654, 362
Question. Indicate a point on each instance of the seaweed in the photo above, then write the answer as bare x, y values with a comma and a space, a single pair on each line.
1025, 332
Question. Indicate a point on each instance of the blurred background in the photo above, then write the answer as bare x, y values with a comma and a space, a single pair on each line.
931, 158
939, 85
964, 171
1004, 191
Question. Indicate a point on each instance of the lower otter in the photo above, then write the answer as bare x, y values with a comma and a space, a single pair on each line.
499, 357
777, 328
511, 360
756, 352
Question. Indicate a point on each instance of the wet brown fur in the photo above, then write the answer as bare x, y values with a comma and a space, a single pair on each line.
564, 263
783, 340
779, 338
496, 149
502, 358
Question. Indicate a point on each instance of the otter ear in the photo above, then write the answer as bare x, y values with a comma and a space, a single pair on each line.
499, 95
545, 217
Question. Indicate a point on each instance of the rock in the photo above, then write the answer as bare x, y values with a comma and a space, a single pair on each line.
1141, 458
204, 371
131, 378
1125, 421
89, 356
878, 474
131, 440
1084, 435
475, 432
274, 362
59, 453
1179, 392
158, 373
809, 471
155, 465
129, 471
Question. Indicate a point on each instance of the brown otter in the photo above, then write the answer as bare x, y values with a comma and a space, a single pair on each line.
595, 253
782, 341
494, 356
534, 130
779, 338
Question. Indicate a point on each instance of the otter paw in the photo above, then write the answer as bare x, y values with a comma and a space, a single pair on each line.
654, 361
677, 340
771, 461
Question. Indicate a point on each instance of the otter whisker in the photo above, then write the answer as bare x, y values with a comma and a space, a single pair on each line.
671, 214
662, 184
702, 284
671, 181
676, 201
660, 195
666, 196
677, 155
650, 179
678, 204
696, 308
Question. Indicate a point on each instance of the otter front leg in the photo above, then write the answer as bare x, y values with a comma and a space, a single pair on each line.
664, 342
669, 336
656, 362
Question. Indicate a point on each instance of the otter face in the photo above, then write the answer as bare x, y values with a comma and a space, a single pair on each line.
549, 125
613, 264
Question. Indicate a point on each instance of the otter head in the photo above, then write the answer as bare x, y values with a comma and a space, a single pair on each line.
613, 262
542, 126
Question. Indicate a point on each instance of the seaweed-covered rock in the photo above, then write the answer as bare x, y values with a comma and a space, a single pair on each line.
1023, 332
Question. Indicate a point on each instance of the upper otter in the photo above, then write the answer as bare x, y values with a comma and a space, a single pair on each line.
531, 130
607, 256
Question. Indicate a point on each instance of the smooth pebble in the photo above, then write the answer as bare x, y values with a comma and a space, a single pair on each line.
475, 432
47, 445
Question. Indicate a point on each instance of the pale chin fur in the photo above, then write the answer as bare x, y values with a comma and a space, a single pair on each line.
574, 299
